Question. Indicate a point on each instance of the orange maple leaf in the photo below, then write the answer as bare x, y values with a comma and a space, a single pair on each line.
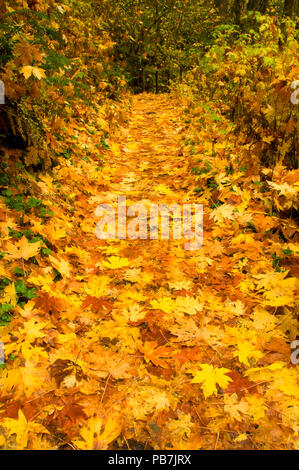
22, 249
153, 353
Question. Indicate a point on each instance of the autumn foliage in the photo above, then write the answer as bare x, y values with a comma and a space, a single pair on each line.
140, 344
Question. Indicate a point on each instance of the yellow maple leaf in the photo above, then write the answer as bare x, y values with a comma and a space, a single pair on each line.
265, 373
128, 296
3, 272
57, 232
149, 400
62, 266
223, 212
9, 295
188, 305
103, 123
163, 189
180, 284
133, 313
283, 293
97, 286
115, 262
166, 304
241, 437
284, 188
268, 139
22, 428
181, 427
32, 329
37, 72
22, 249
110, 250
247, 351
234, 407
29, 352
29, 310
209, 377
94, 438
43, 281
257, 407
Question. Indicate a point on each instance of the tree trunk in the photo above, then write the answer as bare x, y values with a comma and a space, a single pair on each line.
291, 8
258, 5
158, 41
2, 10
238, 7
221, 6
143, 79
157, 81
181, 74
168, 77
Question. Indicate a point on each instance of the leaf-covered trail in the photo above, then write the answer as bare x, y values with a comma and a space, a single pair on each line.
140, 343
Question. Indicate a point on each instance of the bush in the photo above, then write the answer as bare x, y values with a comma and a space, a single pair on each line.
54, 59
250, 76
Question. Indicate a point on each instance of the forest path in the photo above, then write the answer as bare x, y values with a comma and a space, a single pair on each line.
150, 146
148, 167
178, 312
141, 343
